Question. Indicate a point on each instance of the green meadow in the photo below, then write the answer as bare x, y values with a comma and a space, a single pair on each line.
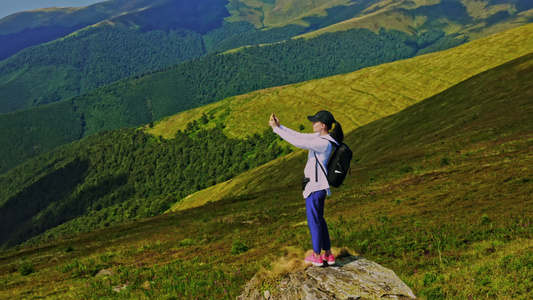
440, 192
363, 96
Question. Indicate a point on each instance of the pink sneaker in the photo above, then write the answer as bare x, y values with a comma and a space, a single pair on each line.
317, 261
329, 259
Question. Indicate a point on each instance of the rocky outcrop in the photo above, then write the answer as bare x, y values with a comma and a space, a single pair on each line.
351, 277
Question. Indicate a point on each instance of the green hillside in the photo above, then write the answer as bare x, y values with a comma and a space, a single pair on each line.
119, 176
102, 43
361, 97
150, 96
98, 56
56, 54
30, 28
115, 41
123, 191
472, 18
439, 193
153, 96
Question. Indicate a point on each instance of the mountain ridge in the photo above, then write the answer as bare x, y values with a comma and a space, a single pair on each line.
224, 24
114, 153
511, 44
445, 203
136, 102
236, 125
150, 96
440, 191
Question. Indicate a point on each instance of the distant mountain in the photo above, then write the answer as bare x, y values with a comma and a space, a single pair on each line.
441, 192
97, 45
148, 97
471, 18
24, 29
86, 48
120, 175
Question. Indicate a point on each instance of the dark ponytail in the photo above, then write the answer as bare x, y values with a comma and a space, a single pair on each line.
336, 133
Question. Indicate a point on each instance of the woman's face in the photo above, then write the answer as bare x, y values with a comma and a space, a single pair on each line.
317, 126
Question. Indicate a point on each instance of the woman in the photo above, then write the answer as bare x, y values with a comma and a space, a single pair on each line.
315, 184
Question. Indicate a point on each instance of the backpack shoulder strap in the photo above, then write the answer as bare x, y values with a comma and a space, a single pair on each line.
316, 168
333, 146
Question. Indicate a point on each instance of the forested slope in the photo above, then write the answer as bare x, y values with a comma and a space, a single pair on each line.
115, 176
439, 192
364, 96
87, 60
76, 50
151, 96
119, 176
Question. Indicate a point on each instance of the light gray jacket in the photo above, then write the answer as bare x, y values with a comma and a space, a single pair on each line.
316, 144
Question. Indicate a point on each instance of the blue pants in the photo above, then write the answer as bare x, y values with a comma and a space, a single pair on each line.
314, 206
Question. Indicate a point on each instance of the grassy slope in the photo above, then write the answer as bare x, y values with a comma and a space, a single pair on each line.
99, 123
140, 31
384, 14
270, 14
415, 16
356, 98
440, 193
381, 15
369, 94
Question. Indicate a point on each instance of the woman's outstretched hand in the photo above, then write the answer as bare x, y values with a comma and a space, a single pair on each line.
274, 121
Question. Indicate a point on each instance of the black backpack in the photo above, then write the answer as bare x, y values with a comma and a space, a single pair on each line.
338, 165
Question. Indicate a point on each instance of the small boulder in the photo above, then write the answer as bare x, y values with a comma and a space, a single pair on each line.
104, 272
119, 288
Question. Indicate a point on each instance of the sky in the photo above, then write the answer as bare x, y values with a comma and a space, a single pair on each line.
8, 7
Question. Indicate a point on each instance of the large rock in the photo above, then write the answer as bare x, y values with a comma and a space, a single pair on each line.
351, 278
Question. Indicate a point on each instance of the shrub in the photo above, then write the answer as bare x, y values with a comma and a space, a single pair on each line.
26, 268
405, 169
239, 247
185, 242
485, 219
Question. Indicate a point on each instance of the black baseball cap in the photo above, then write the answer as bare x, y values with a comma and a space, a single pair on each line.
323, 116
